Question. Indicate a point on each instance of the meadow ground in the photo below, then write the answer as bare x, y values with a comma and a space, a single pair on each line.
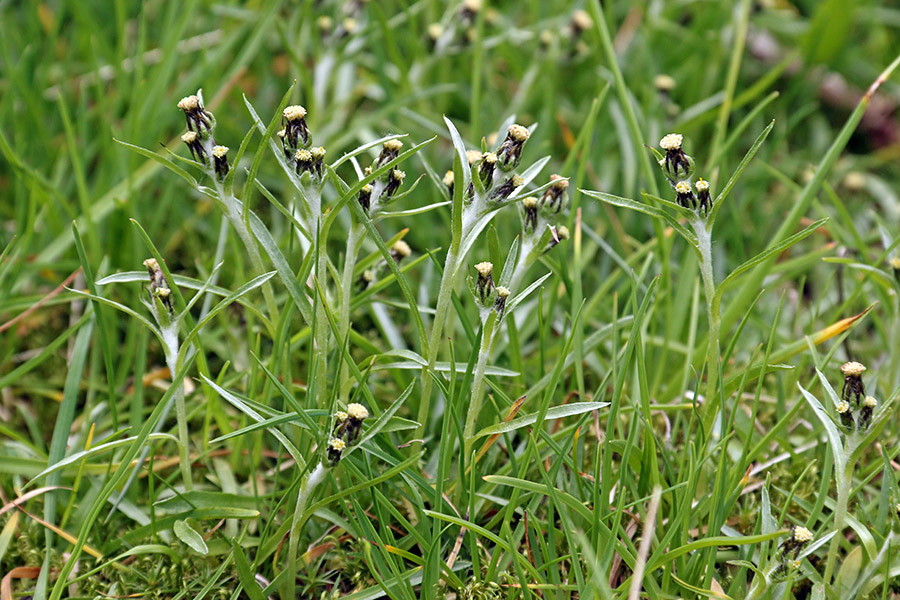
471, 300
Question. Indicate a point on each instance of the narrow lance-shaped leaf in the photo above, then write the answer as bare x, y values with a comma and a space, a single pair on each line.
834, 436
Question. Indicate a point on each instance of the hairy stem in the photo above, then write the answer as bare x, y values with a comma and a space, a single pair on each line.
714, 317
307, 487
170, 334
844, 485
451, 268
354, 239
478, 381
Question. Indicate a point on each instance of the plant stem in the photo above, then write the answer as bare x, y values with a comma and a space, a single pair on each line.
354, 240
232, 208
170, 334
714, 317
844, 485
321, 338
307, 487
451, 268
484, 352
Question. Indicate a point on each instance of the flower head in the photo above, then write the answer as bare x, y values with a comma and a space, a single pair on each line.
500, 302
702, 187
400, 250
677, 165
802, 535
395, 180
554, 198
189, 103
220, 160
530, 206
194, 144
294, 113
473, 156
510, 150
505, 189
296, 132
853, 385
852, 369
843, 409
671, 141
159, 287
365, 196
484, 285
664, 83
335, 448
357, 412
581, 21
684, 195
194, 113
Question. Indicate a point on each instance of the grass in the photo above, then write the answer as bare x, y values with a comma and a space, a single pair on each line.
652, 406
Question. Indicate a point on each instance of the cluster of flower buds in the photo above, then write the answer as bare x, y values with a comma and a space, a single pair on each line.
310, 161
488, 295
492, 169
296, 142
854, 399
679, 168
159, 287
199, 136
387, 185
538, 215
347, 426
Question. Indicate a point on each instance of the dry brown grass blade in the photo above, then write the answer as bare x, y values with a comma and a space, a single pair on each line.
26, 497
510, 415
16, 573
